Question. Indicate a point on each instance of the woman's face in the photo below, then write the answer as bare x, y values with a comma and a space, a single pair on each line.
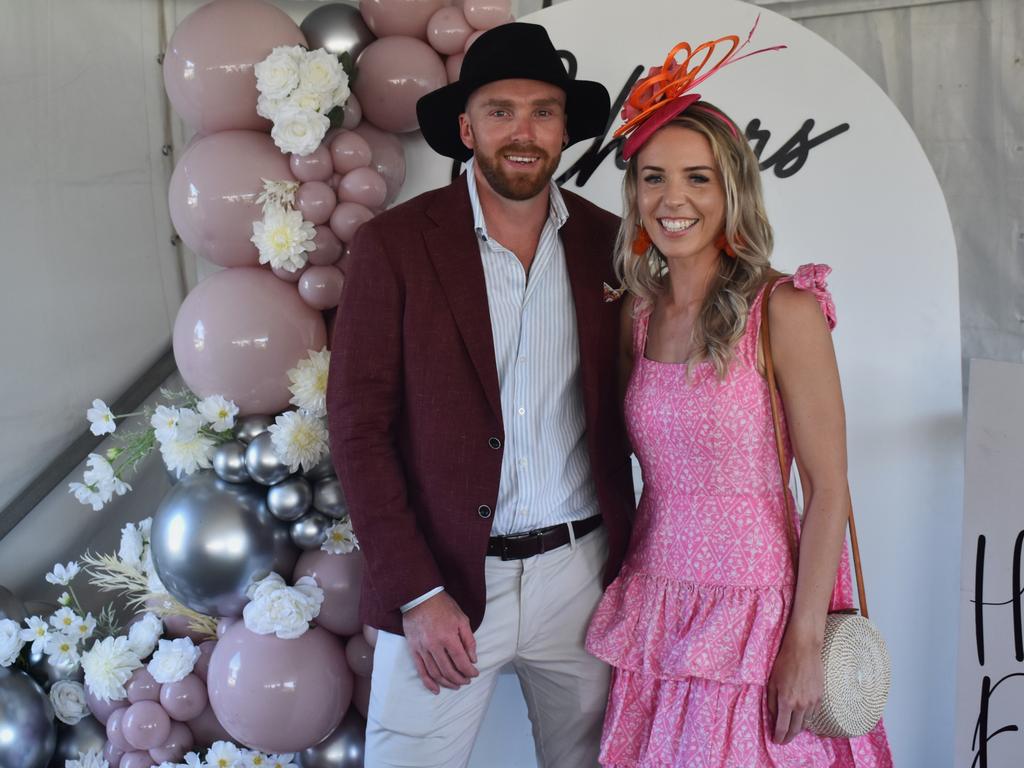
679, 193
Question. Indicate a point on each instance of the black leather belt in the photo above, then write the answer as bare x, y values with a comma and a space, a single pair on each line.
519, 546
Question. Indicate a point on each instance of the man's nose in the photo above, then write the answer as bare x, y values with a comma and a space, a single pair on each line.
523, 129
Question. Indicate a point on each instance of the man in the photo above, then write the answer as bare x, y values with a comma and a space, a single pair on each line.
475, 423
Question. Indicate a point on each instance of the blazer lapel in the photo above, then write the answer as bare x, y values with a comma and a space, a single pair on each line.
455, 253
586, 292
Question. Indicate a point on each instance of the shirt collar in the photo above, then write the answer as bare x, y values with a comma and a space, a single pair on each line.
557, 212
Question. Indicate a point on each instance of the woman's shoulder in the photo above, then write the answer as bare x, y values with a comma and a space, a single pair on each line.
803, 295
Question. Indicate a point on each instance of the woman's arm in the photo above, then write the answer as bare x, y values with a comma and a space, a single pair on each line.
808, 378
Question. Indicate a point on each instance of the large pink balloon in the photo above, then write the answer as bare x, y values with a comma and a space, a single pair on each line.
184, 699
101, 709
213, 194
208, 66
145, 725
394, 72
178, 743
279, 695
347, 218
340, 577
207, 729
447, 30
320, 287
487, 14
399, 17
388, 157
239, 332
364, 186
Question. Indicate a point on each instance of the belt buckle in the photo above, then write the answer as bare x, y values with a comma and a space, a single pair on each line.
509, 538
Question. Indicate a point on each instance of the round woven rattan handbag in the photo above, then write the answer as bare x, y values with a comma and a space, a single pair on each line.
857, 666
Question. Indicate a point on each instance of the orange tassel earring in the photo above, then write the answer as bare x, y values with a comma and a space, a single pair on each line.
722, 244
642, 240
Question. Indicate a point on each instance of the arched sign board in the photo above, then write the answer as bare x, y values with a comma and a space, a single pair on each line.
847, 184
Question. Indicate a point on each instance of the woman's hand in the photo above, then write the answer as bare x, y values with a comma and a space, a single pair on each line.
795, 686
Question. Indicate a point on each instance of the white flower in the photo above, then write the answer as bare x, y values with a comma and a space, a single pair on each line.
218, 412
37, 633
286, 760
165, 422
223, 754
278, 74
173, 660
321, 72
64, 599
310, 101
277, 194
63, 574
143, 635
62, 650
298, 439
68, 699
132, 544
341, 539
153, 583
87, 495
283, 239
10, 642
253, 759
189, 455
108, 665
91, 759
268, 108
83, 628
64, 620
297, 130
309, 383
101, 418
281, 610
192, 760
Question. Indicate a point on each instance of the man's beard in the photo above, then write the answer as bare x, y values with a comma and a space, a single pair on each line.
521, 186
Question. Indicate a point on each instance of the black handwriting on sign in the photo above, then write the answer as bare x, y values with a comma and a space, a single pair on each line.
982, 736
791, 157
1014, 601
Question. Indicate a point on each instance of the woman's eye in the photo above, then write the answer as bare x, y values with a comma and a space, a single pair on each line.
699, 179
653, 178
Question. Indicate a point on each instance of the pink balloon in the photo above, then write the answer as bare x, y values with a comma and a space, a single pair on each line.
360, 656
185, 699
142, 687
279, 695
472, 39
208, 66
224, 624
315, 166
370, 635
315, 201
320, 287
447, 30
203, 663
487, 14
353, 113
340, 577
388, 158
178, 626
394, 72
207, 729
334, 181
350, 151
288, 277
115, 731
238, 333
364, 186
136, 759
328, 248
101, 709
112, 754
178, 743
213, 194
145, 725
347, 218
398, 17
453, 66
361, 695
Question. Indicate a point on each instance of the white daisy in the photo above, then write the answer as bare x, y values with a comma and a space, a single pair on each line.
64, 620
218, 412
88, 495
298, 439
223, 754
309, 382
62, 650
63, 574
37, 633
341, 539
188, 456
83, 628
101, 418
283, 239
286, 760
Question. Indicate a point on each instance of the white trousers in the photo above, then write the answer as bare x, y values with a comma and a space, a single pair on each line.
536, 618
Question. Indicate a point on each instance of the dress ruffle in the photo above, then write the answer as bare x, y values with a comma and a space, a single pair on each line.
675, 629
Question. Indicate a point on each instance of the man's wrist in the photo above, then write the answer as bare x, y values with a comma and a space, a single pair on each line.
421, 599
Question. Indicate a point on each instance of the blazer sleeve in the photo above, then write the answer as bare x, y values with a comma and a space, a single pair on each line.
364, 407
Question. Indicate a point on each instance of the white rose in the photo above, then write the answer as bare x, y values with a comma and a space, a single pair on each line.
173, 660
282, 610
68, 699
298, 131
320, 72
143, 635
268, 108
10, 642
278, 74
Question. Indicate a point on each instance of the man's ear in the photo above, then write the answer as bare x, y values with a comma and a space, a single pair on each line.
565, 139
466, 130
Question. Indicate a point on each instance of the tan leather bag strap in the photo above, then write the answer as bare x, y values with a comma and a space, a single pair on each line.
773, 396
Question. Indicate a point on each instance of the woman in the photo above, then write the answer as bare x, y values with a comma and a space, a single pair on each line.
716, 648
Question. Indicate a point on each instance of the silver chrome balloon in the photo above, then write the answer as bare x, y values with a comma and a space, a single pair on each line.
337, 27
342, 749
262, 462
229, 462
290, 499
46, 673
10, 606
211, 539
28, 735
329, 498
248, 427
310, 531
324, 468
88, 733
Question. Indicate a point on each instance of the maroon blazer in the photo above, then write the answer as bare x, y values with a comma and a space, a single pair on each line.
414, 407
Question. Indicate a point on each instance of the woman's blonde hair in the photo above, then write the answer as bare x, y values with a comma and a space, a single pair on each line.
723, 316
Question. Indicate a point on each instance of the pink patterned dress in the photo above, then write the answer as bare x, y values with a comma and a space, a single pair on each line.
693, 622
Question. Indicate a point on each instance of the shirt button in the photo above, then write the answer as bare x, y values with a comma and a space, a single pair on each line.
495, 443
484, 511
522, 411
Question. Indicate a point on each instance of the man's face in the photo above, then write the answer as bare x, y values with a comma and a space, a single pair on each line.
516, 129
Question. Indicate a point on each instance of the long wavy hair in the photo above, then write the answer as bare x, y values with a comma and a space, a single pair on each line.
723, 315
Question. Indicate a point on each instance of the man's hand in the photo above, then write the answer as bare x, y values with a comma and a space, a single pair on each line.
442, 645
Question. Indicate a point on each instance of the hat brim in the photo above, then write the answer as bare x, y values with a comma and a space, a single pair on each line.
664, 115
586, 106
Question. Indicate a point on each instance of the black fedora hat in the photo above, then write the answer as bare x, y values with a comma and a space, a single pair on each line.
510, 51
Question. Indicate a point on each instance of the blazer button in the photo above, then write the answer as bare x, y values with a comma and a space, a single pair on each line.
495, 443
484, 511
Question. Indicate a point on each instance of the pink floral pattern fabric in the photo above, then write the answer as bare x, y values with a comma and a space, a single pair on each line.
693, 622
